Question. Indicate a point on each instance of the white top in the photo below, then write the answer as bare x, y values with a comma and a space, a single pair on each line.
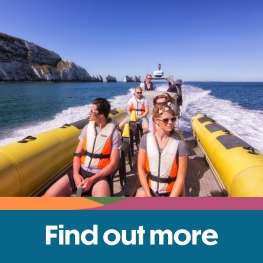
151, 123
139, 101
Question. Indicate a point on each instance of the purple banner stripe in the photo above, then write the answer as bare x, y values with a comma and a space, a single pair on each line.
187, 203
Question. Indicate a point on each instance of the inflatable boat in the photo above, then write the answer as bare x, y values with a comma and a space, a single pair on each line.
237, 165
32, 164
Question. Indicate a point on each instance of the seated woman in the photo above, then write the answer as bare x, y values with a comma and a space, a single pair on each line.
96, 156
162, 158
158, 101
171, 102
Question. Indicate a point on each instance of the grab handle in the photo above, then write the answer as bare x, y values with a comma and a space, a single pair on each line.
251, 150
28, 138
65, 126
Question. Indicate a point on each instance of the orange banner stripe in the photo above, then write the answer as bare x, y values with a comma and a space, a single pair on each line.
47, 203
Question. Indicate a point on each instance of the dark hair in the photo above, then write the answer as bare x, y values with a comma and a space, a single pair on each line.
159, 97
103, 106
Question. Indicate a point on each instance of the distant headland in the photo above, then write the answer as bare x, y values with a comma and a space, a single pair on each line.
21, 60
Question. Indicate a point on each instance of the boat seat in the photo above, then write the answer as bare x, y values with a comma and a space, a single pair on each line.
125, 151
133, 135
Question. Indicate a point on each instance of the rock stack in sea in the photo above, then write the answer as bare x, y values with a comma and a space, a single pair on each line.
131, 79
21, 60
109, 78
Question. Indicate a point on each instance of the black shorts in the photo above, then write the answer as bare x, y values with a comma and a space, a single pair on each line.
154, 194
85, 174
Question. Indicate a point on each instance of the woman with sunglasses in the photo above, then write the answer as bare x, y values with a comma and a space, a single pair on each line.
162, 158
96, 156
158, 101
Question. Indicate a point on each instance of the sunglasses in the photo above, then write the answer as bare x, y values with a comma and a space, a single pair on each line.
166, 120
94, 111
138, 92
161, 103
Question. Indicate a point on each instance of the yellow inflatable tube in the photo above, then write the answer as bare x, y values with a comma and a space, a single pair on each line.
238, 166
28, 165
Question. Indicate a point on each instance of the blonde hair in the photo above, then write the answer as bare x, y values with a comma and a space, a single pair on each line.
138, 88
150, 75
157, 112
170, 98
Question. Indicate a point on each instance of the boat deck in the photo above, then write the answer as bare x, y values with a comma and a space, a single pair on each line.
200, 180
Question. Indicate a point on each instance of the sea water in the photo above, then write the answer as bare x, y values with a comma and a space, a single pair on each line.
31, 108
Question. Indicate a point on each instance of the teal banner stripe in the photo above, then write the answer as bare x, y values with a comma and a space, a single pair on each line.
23, 236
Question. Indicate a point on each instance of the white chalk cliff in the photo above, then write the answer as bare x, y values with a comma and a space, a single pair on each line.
21, 60
131, 79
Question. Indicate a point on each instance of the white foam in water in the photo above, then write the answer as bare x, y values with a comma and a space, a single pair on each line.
66, 116
246, 124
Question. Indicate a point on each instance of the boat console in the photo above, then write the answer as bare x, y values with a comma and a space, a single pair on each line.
158, 73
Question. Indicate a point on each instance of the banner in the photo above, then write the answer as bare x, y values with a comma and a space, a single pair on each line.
114, 230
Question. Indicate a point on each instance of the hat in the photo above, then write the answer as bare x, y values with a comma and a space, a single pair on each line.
178, 81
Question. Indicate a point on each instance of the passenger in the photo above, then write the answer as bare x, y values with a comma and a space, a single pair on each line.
96, 156
162, 158
140, 104
177, 88
147, 84
158, 101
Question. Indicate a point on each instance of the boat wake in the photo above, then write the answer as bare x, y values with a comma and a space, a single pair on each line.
245, 123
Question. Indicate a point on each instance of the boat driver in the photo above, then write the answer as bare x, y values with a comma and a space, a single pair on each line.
147, 84
96, 156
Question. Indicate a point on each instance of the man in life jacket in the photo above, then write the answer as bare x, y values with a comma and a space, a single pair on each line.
147, 84
177, 88
96, 156
141, 106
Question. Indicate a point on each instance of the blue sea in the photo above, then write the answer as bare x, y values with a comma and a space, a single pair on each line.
31, 108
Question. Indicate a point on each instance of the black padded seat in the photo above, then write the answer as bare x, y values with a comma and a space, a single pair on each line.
230, 141
214, 127
205, 119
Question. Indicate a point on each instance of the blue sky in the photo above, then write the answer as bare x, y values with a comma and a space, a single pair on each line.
203, 40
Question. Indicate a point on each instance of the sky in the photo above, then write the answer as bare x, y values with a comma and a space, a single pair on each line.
195, 40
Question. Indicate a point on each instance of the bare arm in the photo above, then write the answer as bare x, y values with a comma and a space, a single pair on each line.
76, 165
179, 183
141, 171
128, 110
145, 113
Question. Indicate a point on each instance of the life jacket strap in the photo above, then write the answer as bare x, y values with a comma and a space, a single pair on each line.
138, 110
160, 180
92, 155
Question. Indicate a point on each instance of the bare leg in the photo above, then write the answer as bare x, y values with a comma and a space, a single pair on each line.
140, 193
145, 127
134, 186
122, 123
59, 188
183, 192
101, 189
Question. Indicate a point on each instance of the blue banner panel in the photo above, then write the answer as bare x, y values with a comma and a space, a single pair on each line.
131, 236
